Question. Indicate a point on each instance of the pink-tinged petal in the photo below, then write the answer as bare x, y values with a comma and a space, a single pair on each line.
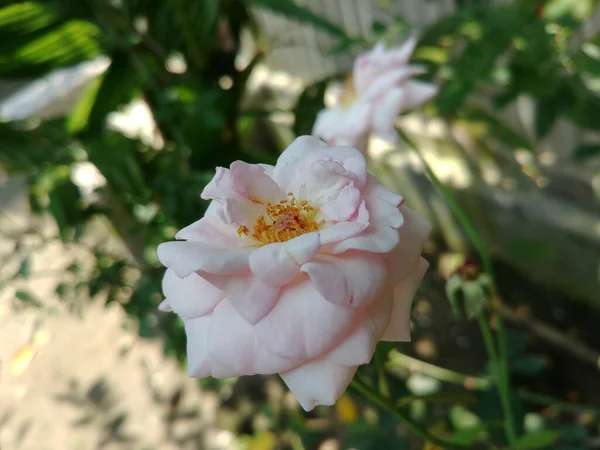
351, 279
278, 263
417, 92
383, 84
341, 205
358, 166
318, 382
185, 257
359, 345
398, 329
200, 361
383, 213
300, 155
251, 180
212, 210
341, 231
303, 324
411, 238
240, 211
190, 297
233, 342
374, 239
386, 114
301, 148
376, 189
402, 55
220, 187
250, 296
210, 230
165, 307
268, 168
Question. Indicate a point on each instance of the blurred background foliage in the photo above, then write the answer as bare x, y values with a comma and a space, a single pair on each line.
187, 63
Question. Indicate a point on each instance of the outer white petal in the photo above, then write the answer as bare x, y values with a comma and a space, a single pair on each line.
411, 238
185, 257
233, 342
398, 329
352, 279
303, 324
191, 296
318, 382
359, 345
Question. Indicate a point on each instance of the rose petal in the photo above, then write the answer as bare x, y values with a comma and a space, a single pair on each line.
341, 205
233, 342
387, 80
359, 345
303, 324
340, 231
302, 153
411, 238
252, 180
318, 382
418, 92
200, 361
386, 114
211, 230
398, 329
351, 279
383, 213
278, 263
252, 298
375, 189
191, 296
374, 239
185, 257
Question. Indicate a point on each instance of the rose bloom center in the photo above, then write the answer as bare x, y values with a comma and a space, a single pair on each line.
283, 221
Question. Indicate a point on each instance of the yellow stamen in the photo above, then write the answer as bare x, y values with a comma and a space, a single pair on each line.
284, 221
243, 230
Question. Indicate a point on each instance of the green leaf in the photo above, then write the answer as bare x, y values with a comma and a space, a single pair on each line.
25, 267
116, 87
293, 11
539, 439
65, 207
530, 365
546, 114
28, 298
455, 294
79, 117
62, 290
586, 151
310, 102
467, 436
60, 44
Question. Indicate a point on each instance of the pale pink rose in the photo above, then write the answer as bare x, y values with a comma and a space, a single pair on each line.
370, 102
298, 269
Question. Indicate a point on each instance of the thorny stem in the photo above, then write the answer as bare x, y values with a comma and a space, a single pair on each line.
498, 358
383, 402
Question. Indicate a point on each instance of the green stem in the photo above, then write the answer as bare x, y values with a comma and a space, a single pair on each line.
377, 399
498, 358
397, 359
546, 400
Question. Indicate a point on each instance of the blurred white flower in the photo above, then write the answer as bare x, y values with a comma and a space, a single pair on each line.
370, 101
